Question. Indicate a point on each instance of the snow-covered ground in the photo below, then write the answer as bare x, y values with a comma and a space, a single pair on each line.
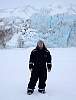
15, 74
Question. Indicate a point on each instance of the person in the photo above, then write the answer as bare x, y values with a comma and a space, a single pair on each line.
40, 61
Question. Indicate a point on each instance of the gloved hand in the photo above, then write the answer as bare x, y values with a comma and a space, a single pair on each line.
49, 70
49, 66
31, 66
31, 70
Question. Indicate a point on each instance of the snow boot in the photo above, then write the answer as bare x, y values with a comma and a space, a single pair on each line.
41, 91
30, 91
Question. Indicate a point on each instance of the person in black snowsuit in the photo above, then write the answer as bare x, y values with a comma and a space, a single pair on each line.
40, 61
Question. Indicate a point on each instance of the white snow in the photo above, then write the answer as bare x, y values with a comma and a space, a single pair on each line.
22, 12
57, 17
27, 11
13, 43
15, 74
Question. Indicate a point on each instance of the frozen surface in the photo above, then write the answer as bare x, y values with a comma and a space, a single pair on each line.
15, 74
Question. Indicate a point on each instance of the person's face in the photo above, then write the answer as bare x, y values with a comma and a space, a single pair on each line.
40, 45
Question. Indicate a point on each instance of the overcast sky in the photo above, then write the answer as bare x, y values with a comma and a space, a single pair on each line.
35, 3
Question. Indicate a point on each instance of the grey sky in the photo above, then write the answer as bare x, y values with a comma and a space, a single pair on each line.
36, 3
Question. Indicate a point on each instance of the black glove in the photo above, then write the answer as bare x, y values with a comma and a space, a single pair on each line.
31, 66
49, 66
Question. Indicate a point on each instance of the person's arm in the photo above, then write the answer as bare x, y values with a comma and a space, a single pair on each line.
31, 61
49, 63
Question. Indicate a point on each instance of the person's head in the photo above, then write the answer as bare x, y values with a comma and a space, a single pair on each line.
40, 44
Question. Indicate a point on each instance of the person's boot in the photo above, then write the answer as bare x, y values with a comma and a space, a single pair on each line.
30, 91
41, 91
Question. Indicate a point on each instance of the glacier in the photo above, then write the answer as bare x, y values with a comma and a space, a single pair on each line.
29, 24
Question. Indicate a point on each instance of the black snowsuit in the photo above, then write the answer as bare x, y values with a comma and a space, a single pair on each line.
39, 59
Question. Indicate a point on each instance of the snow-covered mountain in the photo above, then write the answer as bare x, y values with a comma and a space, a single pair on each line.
28, 11
22, 12
54, 24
